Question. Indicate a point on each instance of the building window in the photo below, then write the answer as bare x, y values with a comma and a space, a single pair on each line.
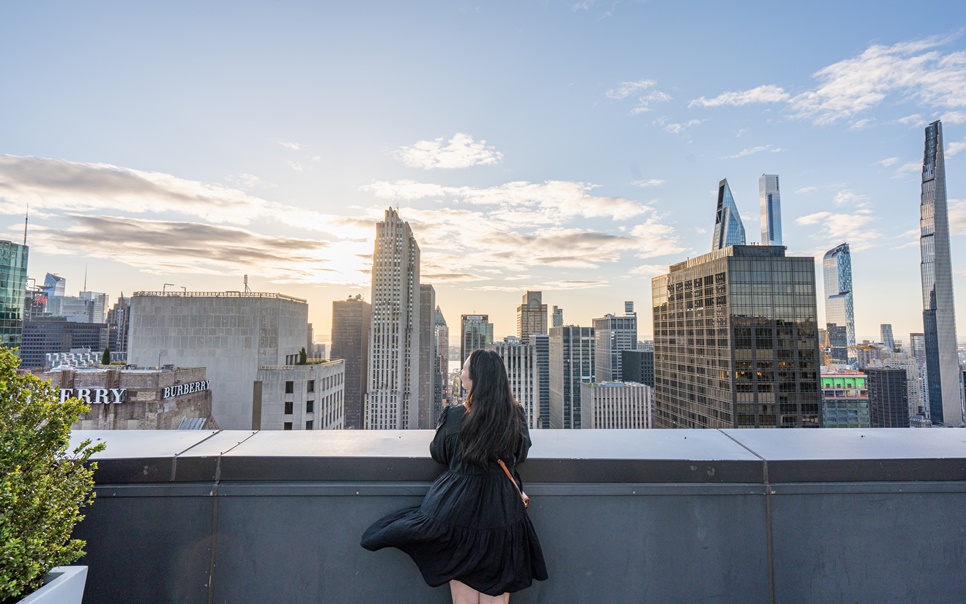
310, 387
288, 407
310, 406
289, 387
308, 425
287, 426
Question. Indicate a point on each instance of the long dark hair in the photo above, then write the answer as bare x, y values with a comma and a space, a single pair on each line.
492, 427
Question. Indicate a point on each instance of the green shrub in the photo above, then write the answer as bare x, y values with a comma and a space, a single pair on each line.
42, 485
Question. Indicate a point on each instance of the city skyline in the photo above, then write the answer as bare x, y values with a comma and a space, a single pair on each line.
577, 158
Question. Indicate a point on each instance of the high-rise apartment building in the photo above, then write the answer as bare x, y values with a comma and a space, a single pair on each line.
938, 311
638, 366
119, 326
845, 400
520, 361
392, 398
531, 316
839, 308
351, 321
728, 228
572, 361
736, 341
917, 347
888, 397
476, 333
13, 292
55, 285
557, 317
428, 405
885, 334
541, 345
614, 335
770, 205
442, 354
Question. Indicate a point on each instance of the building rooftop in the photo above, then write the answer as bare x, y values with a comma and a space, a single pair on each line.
227, 294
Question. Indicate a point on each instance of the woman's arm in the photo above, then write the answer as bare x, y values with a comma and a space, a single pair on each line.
524, 448
437, 448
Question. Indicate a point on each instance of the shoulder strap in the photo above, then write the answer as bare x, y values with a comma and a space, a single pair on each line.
523, 496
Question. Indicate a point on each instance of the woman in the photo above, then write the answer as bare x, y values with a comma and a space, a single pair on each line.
472, 528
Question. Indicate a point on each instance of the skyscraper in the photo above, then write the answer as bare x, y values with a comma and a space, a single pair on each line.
885, 334
770, 204
13, 290
118, 326
428, 361
614, 335
736, 341
523, 373
55, 285
571, 363
839, 310
442, 353
938, 312
888, 397
541, 344
351, 321
557, 317
392, 399
728, 228
476, 333
917, 346
531, 316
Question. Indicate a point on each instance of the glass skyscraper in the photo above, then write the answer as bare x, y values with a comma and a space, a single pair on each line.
839, 309
938, 313
770, 205
728, 229
13, 292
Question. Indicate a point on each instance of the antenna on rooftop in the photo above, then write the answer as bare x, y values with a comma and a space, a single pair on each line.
26, 217
247, 290
85, 277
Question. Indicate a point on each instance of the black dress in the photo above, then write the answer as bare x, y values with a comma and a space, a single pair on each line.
471, 526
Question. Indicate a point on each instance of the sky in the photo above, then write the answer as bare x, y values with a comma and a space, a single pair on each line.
569, 147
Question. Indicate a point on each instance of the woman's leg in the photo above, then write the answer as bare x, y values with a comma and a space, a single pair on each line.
463, 593
503, 598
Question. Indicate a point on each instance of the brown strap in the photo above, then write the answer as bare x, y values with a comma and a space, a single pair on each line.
523, 497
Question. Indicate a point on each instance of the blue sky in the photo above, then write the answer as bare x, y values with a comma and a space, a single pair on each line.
571, 147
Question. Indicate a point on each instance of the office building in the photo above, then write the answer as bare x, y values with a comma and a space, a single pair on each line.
885, 334
638, 366
520, 361
770, 206
938, 311
392, 398
137, 399
839, 309
917, 347
728, 228
351, 319
476, 333
888, 397
442, 353
615, 405
572, 361
232, 334
915, 386
557, 317
541, 345
300, 397
13, 292
119, 327
531, 316
55, 285
35, 302
614, 335
845, 400
428, 406
86, 307
44, 336
736, 341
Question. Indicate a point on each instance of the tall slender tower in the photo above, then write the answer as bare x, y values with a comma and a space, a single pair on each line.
769, 200
428, 370
351, 322
531, 316
839, 308
938, 313
13, 291
392, 400
442, 360
728, 228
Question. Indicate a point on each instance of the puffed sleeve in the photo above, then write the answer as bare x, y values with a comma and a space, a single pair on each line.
525, 442
438, 448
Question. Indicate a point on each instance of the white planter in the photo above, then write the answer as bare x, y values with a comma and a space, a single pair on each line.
65, 585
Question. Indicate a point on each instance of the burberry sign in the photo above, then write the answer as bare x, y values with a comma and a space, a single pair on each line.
170, 391
94, 396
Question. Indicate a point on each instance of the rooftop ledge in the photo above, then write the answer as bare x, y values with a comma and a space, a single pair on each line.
803, 515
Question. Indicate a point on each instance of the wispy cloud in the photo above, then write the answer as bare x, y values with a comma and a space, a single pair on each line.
461, 151
753, 151
805, 190
834, 228
861, 124
762, 94
957, 216
850, 199
292, 146
649, 270
915, 119
651, 182
914, 70
954, 117
674, 127
889, 161
954, 148
638, 91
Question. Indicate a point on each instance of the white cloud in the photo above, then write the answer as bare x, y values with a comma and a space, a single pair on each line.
957, 216
461, 151
762, 94
885, 163
651, 182
805, 190
908, 168
297, 166
861, 124
753, 151
292, 146
650, 270
246, 180
954, 117
626, 89
915, 119
676, 128
850, 200
636, 89
834, 228
954, 148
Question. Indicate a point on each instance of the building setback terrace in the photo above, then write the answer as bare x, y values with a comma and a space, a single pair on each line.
796, 515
